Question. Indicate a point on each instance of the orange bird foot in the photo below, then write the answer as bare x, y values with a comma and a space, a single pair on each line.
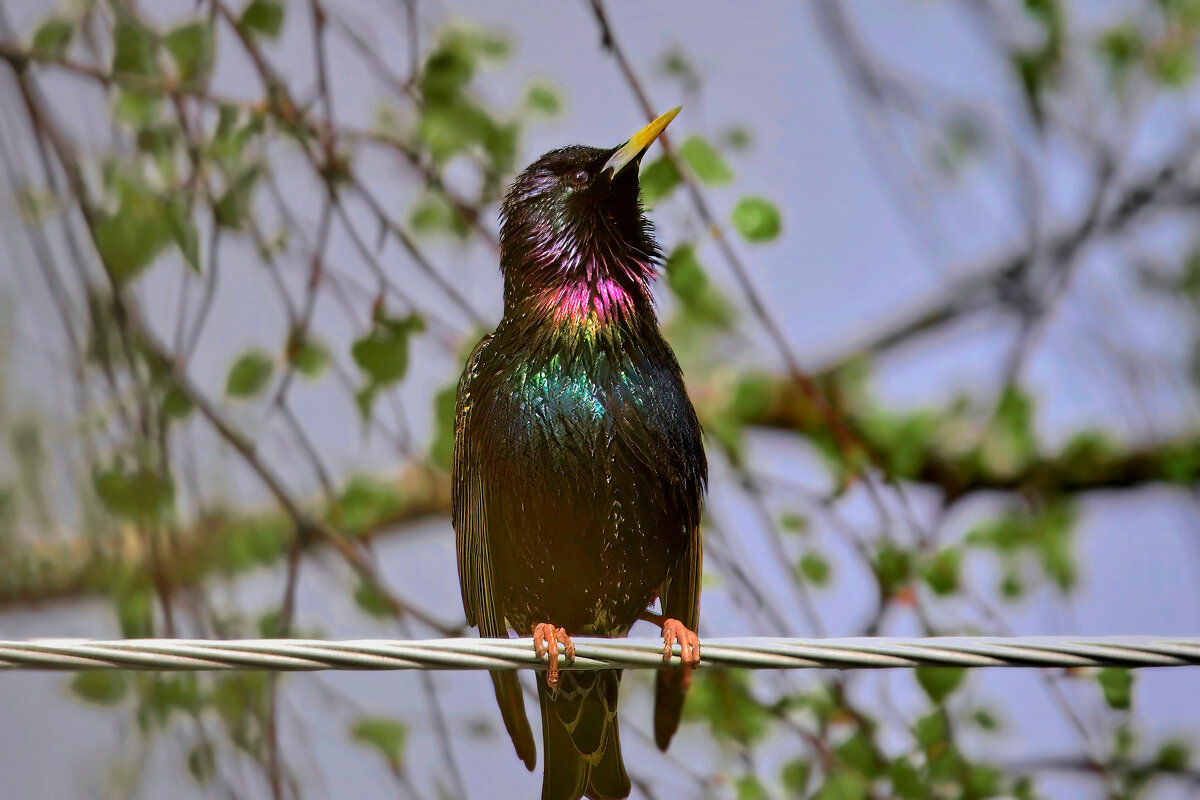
545, 643
689, 646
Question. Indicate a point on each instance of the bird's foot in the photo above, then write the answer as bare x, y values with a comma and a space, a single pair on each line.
546, 638
689, 647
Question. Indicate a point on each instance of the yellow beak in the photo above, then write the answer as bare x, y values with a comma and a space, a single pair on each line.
638, 143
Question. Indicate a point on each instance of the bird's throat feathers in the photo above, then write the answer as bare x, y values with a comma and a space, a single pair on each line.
586, 291
588, 303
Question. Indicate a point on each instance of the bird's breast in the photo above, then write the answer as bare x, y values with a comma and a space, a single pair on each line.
594, 471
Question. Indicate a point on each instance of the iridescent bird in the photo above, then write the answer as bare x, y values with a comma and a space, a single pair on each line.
579, 471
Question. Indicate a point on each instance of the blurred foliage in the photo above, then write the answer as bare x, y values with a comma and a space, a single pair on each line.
190, 168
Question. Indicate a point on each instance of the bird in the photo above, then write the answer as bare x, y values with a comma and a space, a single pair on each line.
579, 470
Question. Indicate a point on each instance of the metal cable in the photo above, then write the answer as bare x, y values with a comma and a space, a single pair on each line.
510, 654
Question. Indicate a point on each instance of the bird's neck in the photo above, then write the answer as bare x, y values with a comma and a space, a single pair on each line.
590, 296
591, 302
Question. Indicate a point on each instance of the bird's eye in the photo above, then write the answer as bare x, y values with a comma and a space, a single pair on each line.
579, 177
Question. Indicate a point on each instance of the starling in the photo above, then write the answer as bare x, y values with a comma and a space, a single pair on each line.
579, 470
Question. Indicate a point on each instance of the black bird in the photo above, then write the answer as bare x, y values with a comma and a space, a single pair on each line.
579, 471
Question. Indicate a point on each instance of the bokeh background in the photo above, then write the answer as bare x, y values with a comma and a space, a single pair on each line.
933, 277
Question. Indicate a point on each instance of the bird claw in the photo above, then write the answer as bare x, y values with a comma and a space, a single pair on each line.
689, 646
546, 639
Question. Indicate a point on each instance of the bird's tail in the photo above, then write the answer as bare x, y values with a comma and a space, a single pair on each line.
512, 709
670, 690
581, 745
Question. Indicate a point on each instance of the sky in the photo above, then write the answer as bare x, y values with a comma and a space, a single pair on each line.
850, 261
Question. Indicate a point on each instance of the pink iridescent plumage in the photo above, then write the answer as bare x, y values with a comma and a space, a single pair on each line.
603, 298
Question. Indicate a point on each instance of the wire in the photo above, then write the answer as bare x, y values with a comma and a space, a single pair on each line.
509, 654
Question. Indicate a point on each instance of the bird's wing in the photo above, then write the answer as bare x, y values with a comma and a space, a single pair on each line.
681, 601
470, 511
475, 576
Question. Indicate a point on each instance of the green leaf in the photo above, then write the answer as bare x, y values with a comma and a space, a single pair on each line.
139, 110
135, 613
706, 161
1121, 48
738, 138
1183, 12
493, 45
1173, 756
893, 568
447, 72
310, 358
445, 404
689, 283
658, 179
164, 694
940, 682
1010, 443
194, 49
135, 48
183, 230
131, 239
1011, 586
138, 494
1035, 70
750, 788
815, 569
8, 515
544, 98
931, 729
374, 602
986, 720
102, 687
364, 401
365, 502
843, 787
384, 735
53, 37
1023, 789
236, 128
268, 624
794, 776
263, 17
1175, 64
233, 208
249, 375
1124, 741
434, 213
906, 780
756, 219
202, 763
983, 780
676, 64
176, 404
1180, 464
242, 701
752, 396
722, 698
1047, 533
792, 522
858, 753
941, 574
383, 353
1117, 685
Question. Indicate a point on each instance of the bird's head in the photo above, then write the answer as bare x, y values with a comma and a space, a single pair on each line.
573, 237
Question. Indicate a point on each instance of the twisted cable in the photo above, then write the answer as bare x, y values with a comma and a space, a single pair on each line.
285, 655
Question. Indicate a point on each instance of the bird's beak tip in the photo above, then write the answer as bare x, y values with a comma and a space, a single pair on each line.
633, 149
